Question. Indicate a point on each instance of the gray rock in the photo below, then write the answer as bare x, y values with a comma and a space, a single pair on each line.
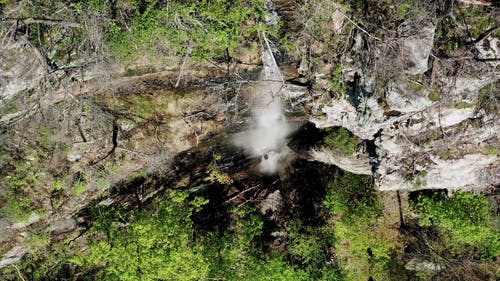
13, 256
423, 265
31, 220
62, 226
409, 145
416, 49
357, 164
489, 48
271, 204
402, 99
21, 68
467, 173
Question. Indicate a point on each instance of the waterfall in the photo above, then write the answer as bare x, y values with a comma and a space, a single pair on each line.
267, 137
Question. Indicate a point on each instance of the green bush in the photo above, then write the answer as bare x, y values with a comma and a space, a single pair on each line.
199, 29
164, 245
351, 195
364, 244
433, 96
155, 246
464, 220
342, 140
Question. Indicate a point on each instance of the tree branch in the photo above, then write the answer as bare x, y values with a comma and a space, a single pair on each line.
43, 21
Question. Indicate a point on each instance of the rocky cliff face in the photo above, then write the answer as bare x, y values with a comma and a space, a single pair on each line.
432, 120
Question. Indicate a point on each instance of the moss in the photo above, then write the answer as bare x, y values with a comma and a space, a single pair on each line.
336, 84
462, 105
215, 175
419, 183
446, 154
416, 86
102, 183
9, 108
342, 140
18, 209
433, 96
405, 8
490, 150
488, 99
382, 101
44, 137
475, 123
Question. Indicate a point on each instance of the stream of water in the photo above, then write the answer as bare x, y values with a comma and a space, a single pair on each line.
267, 137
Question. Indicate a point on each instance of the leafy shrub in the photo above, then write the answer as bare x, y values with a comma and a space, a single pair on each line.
351, 195
342, 140
155, 246
163, 244
433, 96
198, 29
365, 245
464, 220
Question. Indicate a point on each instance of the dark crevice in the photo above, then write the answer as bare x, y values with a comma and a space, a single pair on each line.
114, 140
80, 131
371, 149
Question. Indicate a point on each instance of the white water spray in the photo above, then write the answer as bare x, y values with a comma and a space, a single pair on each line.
267, 137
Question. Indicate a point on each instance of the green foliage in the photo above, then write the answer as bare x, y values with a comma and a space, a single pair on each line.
59, 185
9, 108
366, 248
478, 19
488, 99
79, 186
416, 86
45, 261
433, 96
102, 183
308, 247
467, 24
18, 209
215, 175
446, 154
336, 81
198, 29
464, 220
154, 246
273, 268
162, 244
364, 244
22, 185
448, 36
44, 139
463, 104
342, 140
351, 195
37, 241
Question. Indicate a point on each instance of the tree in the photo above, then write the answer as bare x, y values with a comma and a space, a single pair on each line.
464, 220
158, 245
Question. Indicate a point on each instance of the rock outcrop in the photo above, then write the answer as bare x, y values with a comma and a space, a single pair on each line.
433, 121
